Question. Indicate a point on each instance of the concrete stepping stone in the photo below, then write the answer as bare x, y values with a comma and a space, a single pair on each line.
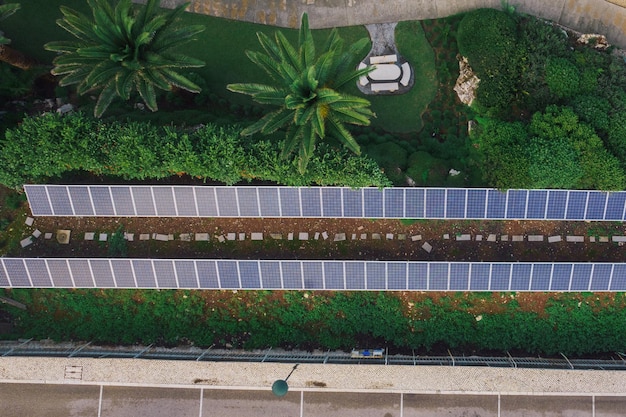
276, 236
592, 239
389, 236
161, 237
575, 239
535, 238
231, 236
27, 241
256, 236
339, 237
479, 238
415, 238
518, 238
303, 236
360, 228
144, 236
154, 236
290, 236
185, 237
504, 238
491, 238
401, 236
90, 236
170, 236
446, 236
29, 221
427, 247
463, 237
363, 236
36, 233
619, 238
554, 239
376, 236
202, 237
242, 236
131, 236
103, 237
47, 236
604, 239
316, 236
221, 238
325, 235
353, 237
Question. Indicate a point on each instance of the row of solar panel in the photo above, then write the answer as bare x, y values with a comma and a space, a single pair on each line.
411, 203
314, 275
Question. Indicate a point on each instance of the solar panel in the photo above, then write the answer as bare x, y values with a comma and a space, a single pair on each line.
618, 279
615, 206
292, 275
38, 200
500, 277
580, 277
122, 201
352, 203
270, 275
459, 277
165, 274
61, 274
333, 275
144, 273
536, 208
496, 204
601, 276
435, 203
207, 203
414, 203
4, 279
60, 200
596, 205
38, 272
144, 203
520, 277
186, 274
479, 277
375, 275
101, 273
438, 276
561, 276
248, 203
396, 276
269, 201
373, 203
516, 204
227, 202
355, 275
81, 201
311, 202
249, 272
394, 202
313, 275
185, 201
124, 276
540, 280
476, 203
81, 273
207, 274
101, 198
228, 275
418, 276
331, 202
576, 205
456, 203
164, 201
289, 202
17, 271
557, 201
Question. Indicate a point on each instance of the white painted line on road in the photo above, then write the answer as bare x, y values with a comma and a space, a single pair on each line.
401, 404
201, 398
100, 401
301, 403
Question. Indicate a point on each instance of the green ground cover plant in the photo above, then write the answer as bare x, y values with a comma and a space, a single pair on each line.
468, 323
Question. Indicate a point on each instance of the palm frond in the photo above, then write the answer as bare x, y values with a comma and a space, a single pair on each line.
105, 98
147, 93
287, 52
124, 81
180, 81
8, 9
337, 130
305, 40
276, 120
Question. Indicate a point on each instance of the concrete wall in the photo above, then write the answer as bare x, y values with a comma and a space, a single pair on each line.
589, 16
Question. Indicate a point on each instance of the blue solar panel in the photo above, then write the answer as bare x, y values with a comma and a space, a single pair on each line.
144, 274
516, 205
394, 202
207, 206
226, 202
556, 204
144, 203
165, 274
331, 202
541, 277
438, 276
581, 277
292, 275
561, 275
60, 200
536, 204
289, 202
596, 205
455, 204
269, 200
248, 203
333, 275
81, 200
123, 273
352, 203
164, 201
101, 273
38, 200
373, 203
500, 277
476, 203
207, 274
81, 272
435, 202
61, 276
396, 276
4, 279
185, 201
375, 275
311, 204
249, 272
227, 271
418, 276
600, 277
122, 201
615, 206
496, 204
414, 203
270, 275
459, 277
186, 274
618, 280
520, 277
313, 275
355, 275
17, 271
576, 205
479, 278
38, 272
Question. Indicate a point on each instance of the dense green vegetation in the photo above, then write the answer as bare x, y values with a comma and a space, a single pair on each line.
45, 147
551, 111
536, 324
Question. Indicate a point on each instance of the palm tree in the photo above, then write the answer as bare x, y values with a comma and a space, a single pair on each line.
122, 50
8, 54
307, 92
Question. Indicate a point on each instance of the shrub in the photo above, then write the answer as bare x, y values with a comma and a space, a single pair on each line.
562, 77
593, 110
392, 158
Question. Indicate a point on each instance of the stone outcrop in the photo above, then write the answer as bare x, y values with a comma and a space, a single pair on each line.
467, 83
599, 42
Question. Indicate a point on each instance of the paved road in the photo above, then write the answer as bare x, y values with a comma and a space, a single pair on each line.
597, 16
52, 400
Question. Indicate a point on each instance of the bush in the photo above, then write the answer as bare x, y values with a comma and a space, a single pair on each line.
392, 158
562, 77
593, 110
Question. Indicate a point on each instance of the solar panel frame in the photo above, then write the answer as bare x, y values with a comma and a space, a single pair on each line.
228, 274
375, 275
373, 203
311, 201
144, 273
206, 200
414, 203
576, 203
38, 273
313, 275
352, 202
615, 205
144, 201
289, 202
456, 203
459, 276
60, 201
102, 273
396, 276
561, 277
540, 278
581, 277
516, 204
248, 201
4, 277
165, 273
394, 202
185, 200
355, 275
81, 200
601, 277
122, 201
436, 203
38, 200
596, 205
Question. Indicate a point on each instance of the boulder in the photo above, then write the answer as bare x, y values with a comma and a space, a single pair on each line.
467, 83
599, 42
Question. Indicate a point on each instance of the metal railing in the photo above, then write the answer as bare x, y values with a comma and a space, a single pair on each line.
88, 350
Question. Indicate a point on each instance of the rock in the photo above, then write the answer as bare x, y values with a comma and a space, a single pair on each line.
146, 236
467, 83
64, 109
410, 182
29, 221
303, 236
140, 106
339, 237
47, 236
202, 237
63, 236
595, 40
453, 172
89, 235
415, 238
26, 242
36, 233
427, 247
256, 236
231, 236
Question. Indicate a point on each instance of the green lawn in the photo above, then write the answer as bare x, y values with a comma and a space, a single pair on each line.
223, 44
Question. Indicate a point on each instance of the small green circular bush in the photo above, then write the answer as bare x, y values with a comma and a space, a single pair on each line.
562, 77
